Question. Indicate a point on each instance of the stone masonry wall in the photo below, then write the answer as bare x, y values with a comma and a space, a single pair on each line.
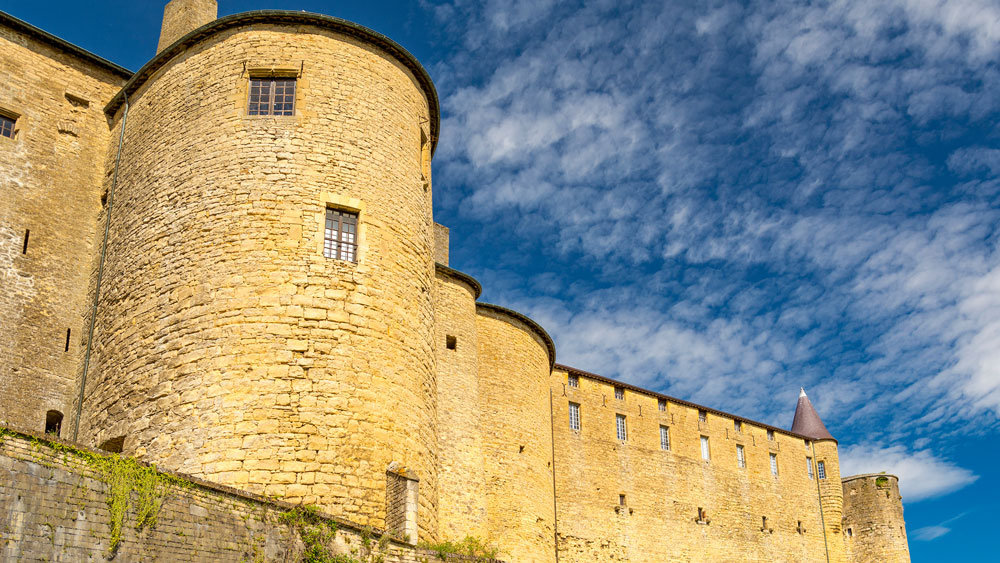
54, 507
874, 529
50, 188
517, 437
664, 488
228, 346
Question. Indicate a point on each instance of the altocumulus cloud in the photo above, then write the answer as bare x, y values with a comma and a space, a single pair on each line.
921, 474
726, 200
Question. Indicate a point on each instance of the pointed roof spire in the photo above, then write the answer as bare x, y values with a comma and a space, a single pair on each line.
807, 421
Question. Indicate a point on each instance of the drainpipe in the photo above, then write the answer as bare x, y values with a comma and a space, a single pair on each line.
100, 272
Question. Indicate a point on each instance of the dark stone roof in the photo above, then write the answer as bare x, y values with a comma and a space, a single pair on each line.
807, 421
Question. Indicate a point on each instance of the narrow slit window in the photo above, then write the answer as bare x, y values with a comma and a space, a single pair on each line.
664, 438
774, 464
621, 500
341, 236
53, 422
271, 96
67, 340
809, 467
24, 249
7, 126
706, 453
741, 457
620, 427
574, 416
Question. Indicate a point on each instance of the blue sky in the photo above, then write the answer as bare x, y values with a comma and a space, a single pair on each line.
725, 201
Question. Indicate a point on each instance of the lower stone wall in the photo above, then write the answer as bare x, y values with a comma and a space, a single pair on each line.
57, 502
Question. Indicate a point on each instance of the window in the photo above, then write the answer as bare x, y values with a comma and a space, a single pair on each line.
7, 126
705, 454
620, 393
662, 403
574, 416
738, 426
53, 422
621, 500
341, 236
702, 416
809, 467
450, 342
574, 380
271, 96
774, 464
702, 516
821, 470
770, 435
620, 424
850, 533
807, 444
741, 458
664, 438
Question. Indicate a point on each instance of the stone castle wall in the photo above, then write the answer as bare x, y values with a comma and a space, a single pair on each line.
663, 489
228, 346
874, 529
50, 195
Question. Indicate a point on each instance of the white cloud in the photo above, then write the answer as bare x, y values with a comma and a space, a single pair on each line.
922, 474
928, 533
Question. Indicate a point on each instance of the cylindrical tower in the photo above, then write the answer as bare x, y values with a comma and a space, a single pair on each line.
874, 530
831, 498
266, 320
515, 362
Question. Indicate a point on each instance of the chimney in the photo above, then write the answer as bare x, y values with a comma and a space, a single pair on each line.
181, 17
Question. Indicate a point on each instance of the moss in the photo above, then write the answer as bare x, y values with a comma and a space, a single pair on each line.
473, 547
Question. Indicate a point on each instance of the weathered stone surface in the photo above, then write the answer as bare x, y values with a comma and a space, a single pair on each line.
874, 529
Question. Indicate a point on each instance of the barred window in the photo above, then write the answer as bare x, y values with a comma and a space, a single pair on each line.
574, 416
620, 426
821, 469
809, 467
741, 458
620, 393
774, 464
6, 126
705, 453
271, 96
664, 438
341, 236
574, 380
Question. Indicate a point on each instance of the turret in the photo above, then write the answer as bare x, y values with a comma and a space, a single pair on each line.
874, 530
181, 17
827, 472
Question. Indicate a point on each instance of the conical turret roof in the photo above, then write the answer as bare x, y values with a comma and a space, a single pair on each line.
807, 421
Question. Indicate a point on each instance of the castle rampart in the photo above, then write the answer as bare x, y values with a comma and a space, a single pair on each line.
874, 529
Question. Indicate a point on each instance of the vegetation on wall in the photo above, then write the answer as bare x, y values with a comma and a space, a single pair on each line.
472, 547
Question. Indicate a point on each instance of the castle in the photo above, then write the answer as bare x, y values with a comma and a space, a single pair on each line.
226, 263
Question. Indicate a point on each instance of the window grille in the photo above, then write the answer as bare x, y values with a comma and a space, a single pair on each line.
741, 459
574, 380
6, 126
620, 393
271, 96
705, 453
574, 416
341, 236
809, 467
821, 470
620, 426
774, 464
664, 438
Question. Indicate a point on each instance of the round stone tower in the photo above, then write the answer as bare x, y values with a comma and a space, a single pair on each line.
874, 530
266, 315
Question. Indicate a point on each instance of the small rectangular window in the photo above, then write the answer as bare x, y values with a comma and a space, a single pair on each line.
6, 126
450, 342
774, 464
664, 438
809, 467
621, 500
340, 241
807, 444
574, 380
738, 426
741, 459
705, 453
662, 403
620, 427
620, 393
271, 96
821, 470
574, 416
770, 435
702, 416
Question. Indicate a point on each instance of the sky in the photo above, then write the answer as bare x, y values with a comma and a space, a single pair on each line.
724, 202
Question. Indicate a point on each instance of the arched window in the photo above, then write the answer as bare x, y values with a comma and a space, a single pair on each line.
53, 422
